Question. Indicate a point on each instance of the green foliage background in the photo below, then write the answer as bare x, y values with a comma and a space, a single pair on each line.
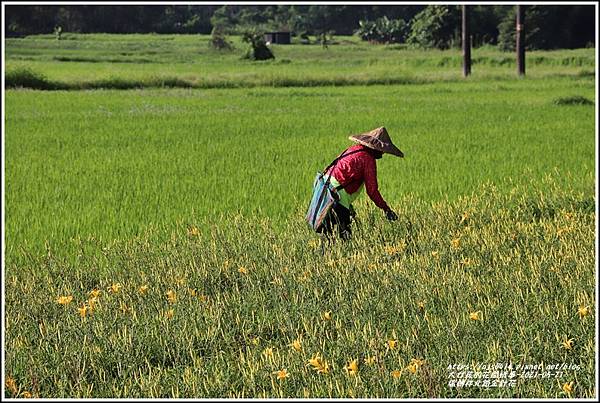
547, 26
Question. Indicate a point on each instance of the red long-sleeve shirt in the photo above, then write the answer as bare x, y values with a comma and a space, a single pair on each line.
352, 170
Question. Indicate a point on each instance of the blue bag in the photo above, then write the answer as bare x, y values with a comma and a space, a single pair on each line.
324, 197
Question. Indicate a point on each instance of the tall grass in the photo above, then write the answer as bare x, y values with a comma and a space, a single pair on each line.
521, 262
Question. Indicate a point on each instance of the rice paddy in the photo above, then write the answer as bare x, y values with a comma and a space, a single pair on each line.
155, 243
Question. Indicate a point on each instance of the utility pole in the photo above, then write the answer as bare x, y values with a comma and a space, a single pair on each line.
466, 41
520, 41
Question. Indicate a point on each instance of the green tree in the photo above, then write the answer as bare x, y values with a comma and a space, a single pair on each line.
533, 20
258, 49
436, 27
484, 23
548, 27
225, 17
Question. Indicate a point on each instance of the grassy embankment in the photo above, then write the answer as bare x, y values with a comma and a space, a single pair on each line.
140, 61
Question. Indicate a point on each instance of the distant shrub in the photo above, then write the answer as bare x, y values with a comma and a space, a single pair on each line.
304, 38
572, 100
383, 30
366, 30
27, 78
258, 49
325, 38
218, 40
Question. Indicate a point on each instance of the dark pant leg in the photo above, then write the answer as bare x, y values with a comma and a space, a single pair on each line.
338, 216
343, 216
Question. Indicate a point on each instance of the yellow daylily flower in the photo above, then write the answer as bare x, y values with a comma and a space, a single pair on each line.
396, 373
315, 360
95, 293
392, 344
455, 243
414, 365
11, 385
296, 345
583, 311
282, 374
65, 300
352, 367
115, 288
475, 315
568, 387
327, 315
417, 361
567, 344
319, 365
143, 289
92, 303
243, 270
171, 296
82, 311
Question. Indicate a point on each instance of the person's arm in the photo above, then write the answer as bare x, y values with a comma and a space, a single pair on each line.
372, 186
370, 176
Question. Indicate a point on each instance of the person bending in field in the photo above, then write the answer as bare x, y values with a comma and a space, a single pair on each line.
357, 168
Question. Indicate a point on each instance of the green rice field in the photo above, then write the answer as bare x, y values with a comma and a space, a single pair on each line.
155, 243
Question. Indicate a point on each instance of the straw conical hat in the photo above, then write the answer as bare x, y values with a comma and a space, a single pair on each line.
377, 139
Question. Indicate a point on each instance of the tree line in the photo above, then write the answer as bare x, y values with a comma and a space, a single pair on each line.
433, 26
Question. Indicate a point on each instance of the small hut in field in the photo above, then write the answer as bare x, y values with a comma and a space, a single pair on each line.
278, 37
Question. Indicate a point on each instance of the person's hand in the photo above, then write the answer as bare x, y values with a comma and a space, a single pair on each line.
390, 215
